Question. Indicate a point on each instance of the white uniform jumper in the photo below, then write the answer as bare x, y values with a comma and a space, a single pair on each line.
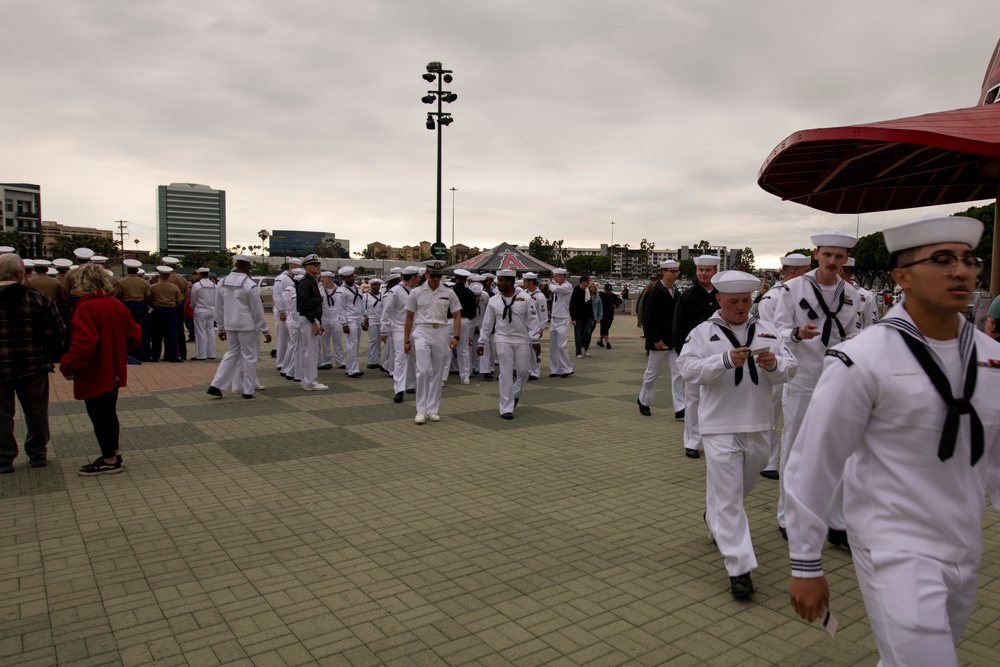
429, 340
515, 324
765, 312
239, 312
281, 283
834, 310
331, 344
914, 494
203, 295
291, 366
393, 323
543, 319
351, 312
373, 304
559, 363
869, 308
734, 417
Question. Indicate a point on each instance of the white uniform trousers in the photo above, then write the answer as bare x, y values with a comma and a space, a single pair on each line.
374, 345
918, 606
239, 360
513, 357
654, 364
535, 368
733, 462
331, 345
280, 340
403, 369
558, 354
464, 351
488, 360
794, 402
774, 438
389, 356
204, 336
309, 354
353, 345
290, 365
430, 347
692, 429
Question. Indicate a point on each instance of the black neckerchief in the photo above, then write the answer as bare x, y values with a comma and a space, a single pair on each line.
831, 316
507, 314
355, 291
377, 297
956, 407
751, 366
329, 296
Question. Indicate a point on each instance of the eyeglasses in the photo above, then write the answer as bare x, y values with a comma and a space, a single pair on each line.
949, 262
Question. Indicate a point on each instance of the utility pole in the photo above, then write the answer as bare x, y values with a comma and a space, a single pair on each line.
121, 241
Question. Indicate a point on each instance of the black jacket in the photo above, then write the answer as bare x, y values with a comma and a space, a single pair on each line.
693, 307
467, 298
658, 316
308, 302
579, 307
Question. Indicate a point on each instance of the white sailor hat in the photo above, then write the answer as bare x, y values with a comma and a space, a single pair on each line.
706, 260
449, 283
422, 270
171, 261
849, 263
298, 272
110, 272
931, 229
375, 281
132, 263
489, 275
6, 249
835, 238
83, 253
507, 273
394, 270
477, 288
98, 259
325, 274
297, 261
164, 269
51, 272
311, 259
346, 270
203, 270
42, 262
559, 272
670, 264
242, 258
28, 264
735, 282
74, 266
518, 283
476, 278
795, 259
462, 273
530, 275
62, 263
409, 271
142, 272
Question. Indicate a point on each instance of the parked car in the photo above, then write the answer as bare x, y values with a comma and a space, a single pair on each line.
266, 286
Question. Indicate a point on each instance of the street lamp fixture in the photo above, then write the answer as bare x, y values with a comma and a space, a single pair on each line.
438, 119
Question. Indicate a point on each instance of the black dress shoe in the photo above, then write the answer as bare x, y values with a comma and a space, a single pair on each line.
371, 366
516, 401
608, 346
341, 367
679, 414
643, 409
784, 532
532, 378
398, 397
741, 586
507, 415
487, 376
247, 395
274, 354
38, 463
838, 538
769, 474
554, 375
692, 453
177, 361
600, 343
411, 391
566, 375
214, 391
355, 375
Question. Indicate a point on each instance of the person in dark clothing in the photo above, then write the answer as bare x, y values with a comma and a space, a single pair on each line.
658, 310
309, 305
694, 307
469, 311
581, 314
610, 301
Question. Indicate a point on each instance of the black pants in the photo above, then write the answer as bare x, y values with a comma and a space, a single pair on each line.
33, 394
163, 333
103, 412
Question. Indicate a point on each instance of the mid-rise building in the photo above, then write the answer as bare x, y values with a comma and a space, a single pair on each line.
727, 258
296, 243
52, 229
190, 218
22, 212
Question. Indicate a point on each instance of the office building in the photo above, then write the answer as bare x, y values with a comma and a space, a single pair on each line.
190, 218
296, 243
22, 212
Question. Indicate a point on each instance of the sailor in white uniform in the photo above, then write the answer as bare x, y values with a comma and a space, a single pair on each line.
906, 414
351, 316
736, 360
819, 310
292, 366
239, 315
561, 291
476, 323
426, 336
203, 294
373, 304
331, 343
512, 316
280, 310
793, 265
869, 308
392, 325
531, 287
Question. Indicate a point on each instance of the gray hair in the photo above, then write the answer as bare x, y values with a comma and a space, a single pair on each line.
10, 264
94, 278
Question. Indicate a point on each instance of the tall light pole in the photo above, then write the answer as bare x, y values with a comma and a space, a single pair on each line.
453, 190
611, 250
436, 120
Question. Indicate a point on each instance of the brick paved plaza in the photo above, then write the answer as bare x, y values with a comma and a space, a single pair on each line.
327, 528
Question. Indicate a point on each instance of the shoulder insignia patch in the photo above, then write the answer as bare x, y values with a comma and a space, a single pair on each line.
714, 337
992, 363
848, 301
840, 355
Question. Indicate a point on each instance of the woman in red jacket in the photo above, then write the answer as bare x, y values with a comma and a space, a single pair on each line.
101, 333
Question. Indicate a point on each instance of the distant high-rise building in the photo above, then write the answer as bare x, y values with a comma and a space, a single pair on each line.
294, 242
190, 218
22, 212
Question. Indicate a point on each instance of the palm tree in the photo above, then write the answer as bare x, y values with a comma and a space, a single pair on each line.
263, 234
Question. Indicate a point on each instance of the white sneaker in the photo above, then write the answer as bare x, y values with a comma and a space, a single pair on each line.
315, 387
586, 353
465, 380
261, 387
579, 356
420, 418
434, 417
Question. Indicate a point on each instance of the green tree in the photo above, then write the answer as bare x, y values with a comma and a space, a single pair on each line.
871, 260
985, 214
746, 260
601, 265
646, 257
558, 254
63, 246
264, 235
331, 248
18, 241
210, 259
687, 268
540, 249
703, 246
808, 252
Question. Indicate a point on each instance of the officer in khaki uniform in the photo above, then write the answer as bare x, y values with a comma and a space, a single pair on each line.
182, 285
137, 296
45, 283
163, 324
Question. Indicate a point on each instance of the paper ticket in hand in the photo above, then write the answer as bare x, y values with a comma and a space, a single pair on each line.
828, 621
755, 352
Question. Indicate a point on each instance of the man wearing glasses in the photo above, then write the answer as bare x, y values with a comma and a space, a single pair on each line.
906, 415
657, 326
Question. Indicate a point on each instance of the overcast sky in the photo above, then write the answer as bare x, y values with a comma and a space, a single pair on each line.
571, 113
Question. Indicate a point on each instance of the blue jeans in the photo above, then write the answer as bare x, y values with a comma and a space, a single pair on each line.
581, 334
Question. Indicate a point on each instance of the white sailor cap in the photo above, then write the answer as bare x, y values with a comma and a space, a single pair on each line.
98, 259
132, 263
62, 263
298, 272
706, 260
849, 263
489, 275
394, 270
476, 278
28, 264
477, 288
51, 272
142, 272
462, 273
507, 273
834, 238
931, 229
518, 283
242, 258
325, 274
559, 272
670, 264
449, 283
171, 261
409, 271
42, 262
795, 259
735, 282
6, 249
164, 269
203, 270
530, 275
297, 261
375, 281
346, 270
422, 270
74, 266
83, 253
110, 272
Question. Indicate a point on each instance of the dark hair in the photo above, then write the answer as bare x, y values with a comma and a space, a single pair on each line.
584, 277
607, 286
